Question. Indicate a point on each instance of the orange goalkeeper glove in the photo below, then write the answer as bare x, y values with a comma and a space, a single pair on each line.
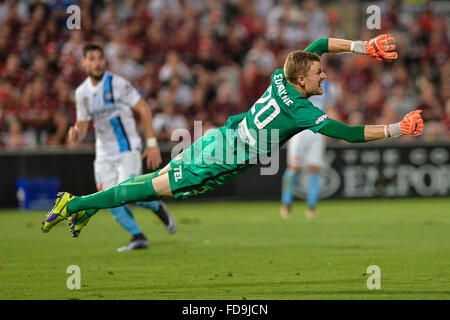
381, 47
411, 125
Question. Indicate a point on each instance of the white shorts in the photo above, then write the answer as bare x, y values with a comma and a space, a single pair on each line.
306, 148
112, 170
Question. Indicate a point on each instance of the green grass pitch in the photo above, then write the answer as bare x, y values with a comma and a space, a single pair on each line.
237, 250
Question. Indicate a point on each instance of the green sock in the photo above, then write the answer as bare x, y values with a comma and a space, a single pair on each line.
135, 189
143, 178
91, 212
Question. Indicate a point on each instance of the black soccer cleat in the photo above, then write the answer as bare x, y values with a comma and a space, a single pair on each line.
138, 241
165, 216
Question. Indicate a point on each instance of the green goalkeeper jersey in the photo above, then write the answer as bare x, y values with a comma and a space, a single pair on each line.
246, 139
279, 114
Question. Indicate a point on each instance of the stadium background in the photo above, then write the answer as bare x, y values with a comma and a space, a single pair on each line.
232, 250
205, 60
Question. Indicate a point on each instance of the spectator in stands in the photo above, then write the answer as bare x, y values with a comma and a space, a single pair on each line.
72, 50
39, 69
432, 108
398, 103
174, 66
317, 20
263, 57
280, 16
34, 112
164, 123
63, 114
447, 120
15, 139
13, 73
178, 92
235, 44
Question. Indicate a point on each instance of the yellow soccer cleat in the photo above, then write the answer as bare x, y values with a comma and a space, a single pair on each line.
78, 221
59, 211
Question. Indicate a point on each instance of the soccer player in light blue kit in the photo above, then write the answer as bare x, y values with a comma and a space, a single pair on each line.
305, 149
108, 100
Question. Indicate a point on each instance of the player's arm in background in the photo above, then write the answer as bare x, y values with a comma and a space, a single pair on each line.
78, 131
381, 47
151, 151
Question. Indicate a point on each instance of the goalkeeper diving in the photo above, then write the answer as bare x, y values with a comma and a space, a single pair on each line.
245, 139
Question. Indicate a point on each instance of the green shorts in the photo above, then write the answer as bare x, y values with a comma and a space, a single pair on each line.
203, 166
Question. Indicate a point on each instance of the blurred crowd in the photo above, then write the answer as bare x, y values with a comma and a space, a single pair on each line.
205, 60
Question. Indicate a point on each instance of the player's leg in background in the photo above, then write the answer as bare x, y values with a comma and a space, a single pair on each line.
312, 195
163, 213
314, 159
108, 172
130, 166
290, 176
289, 183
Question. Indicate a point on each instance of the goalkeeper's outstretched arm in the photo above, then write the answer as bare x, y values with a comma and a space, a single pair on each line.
381, 47
411, 125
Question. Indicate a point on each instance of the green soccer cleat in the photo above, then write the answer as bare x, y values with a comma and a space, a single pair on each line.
78, 221
59, 211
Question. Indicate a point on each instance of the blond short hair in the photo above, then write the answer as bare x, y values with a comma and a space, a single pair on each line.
298, 63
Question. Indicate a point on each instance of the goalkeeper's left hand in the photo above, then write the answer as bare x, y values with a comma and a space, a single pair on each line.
381, 47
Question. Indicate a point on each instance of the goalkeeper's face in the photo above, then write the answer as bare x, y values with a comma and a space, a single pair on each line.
313, 80
94, 64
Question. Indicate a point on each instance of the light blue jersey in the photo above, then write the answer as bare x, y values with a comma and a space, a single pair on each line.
109, 104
